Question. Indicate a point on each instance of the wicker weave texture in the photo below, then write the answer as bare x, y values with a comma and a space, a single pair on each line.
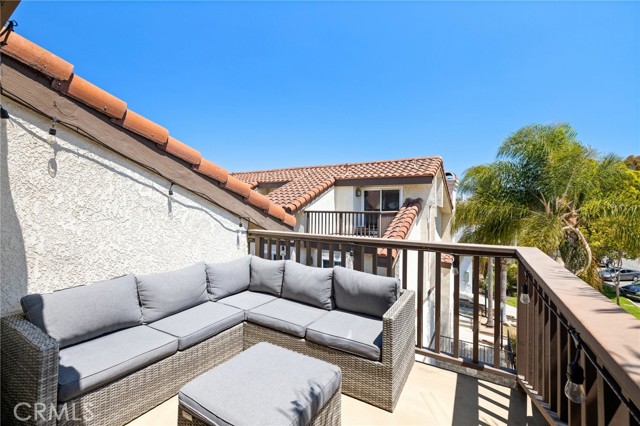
329, 415
137, 393
377, 383
29, 370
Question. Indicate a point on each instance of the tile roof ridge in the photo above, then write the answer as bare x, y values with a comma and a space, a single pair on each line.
429, 157
402, 223
65, 81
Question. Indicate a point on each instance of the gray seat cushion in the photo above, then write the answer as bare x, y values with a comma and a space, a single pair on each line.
264, 385
82, 313
199, 323
266, 276
364, 293
90, 365
286, 316
247, 300
228, 278
354, 333
307, 284
167, 293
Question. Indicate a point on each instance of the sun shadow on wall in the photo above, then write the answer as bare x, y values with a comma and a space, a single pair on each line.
13, 261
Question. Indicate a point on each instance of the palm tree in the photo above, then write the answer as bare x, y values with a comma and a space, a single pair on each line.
542, 190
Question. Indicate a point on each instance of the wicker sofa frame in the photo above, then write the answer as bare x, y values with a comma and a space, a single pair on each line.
30, 370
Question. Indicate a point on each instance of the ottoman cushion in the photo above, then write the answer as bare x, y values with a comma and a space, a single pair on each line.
264, 385
286, 316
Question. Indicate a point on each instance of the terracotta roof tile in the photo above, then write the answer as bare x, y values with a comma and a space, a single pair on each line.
143, 126
277, 211
300, 185
446, 259
36, 57
239, 187
90, 94
259, 200
212, 170
74, 86
181, 150
401, 223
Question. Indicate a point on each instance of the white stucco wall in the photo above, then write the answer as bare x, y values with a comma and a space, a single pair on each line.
346, 199
74, 213
325, 202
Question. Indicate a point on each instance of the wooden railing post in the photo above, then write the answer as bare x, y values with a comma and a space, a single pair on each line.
476, 308
548, 327
522, 329
438, 303
420, 298
456, 309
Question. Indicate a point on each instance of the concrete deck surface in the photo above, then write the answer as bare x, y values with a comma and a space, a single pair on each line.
432, 396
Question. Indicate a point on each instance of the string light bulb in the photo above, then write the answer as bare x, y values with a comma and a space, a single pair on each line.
51, 138
574, 389
525, 299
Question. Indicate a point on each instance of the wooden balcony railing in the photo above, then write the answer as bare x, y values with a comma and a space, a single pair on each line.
564, 313
358, 223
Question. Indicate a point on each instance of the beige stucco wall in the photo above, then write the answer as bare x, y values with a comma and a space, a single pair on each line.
74, 213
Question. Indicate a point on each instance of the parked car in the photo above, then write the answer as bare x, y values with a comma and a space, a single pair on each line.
610, 274
632, 291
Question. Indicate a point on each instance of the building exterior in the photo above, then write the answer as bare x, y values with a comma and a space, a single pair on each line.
409, 199
91, 190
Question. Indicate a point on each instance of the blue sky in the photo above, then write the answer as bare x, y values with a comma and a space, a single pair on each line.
269, 85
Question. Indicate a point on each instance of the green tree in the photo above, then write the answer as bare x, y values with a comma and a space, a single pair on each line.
633, 162
543, 190
614, 231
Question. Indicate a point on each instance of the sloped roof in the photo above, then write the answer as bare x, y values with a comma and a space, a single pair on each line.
401, 224
300, 185
72, 85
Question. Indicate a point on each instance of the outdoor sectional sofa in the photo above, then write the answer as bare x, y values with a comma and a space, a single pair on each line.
108, 352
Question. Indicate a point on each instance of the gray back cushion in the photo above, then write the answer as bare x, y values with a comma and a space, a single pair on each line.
266, 275
228, 278
82, 313
167, 293
307, 284
364, 293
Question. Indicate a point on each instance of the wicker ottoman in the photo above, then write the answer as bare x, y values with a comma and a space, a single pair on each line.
264, 385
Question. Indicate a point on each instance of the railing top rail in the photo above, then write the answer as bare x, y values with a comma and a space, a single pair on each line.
611, 334
462, 249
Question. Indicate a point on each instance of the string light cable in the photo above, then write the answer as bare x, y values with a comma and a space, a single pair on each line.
575, 371
83, 132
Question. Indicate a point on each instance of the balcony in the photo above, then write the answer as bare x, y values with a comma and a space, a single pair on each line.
432, 396
357, 223
566, 321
